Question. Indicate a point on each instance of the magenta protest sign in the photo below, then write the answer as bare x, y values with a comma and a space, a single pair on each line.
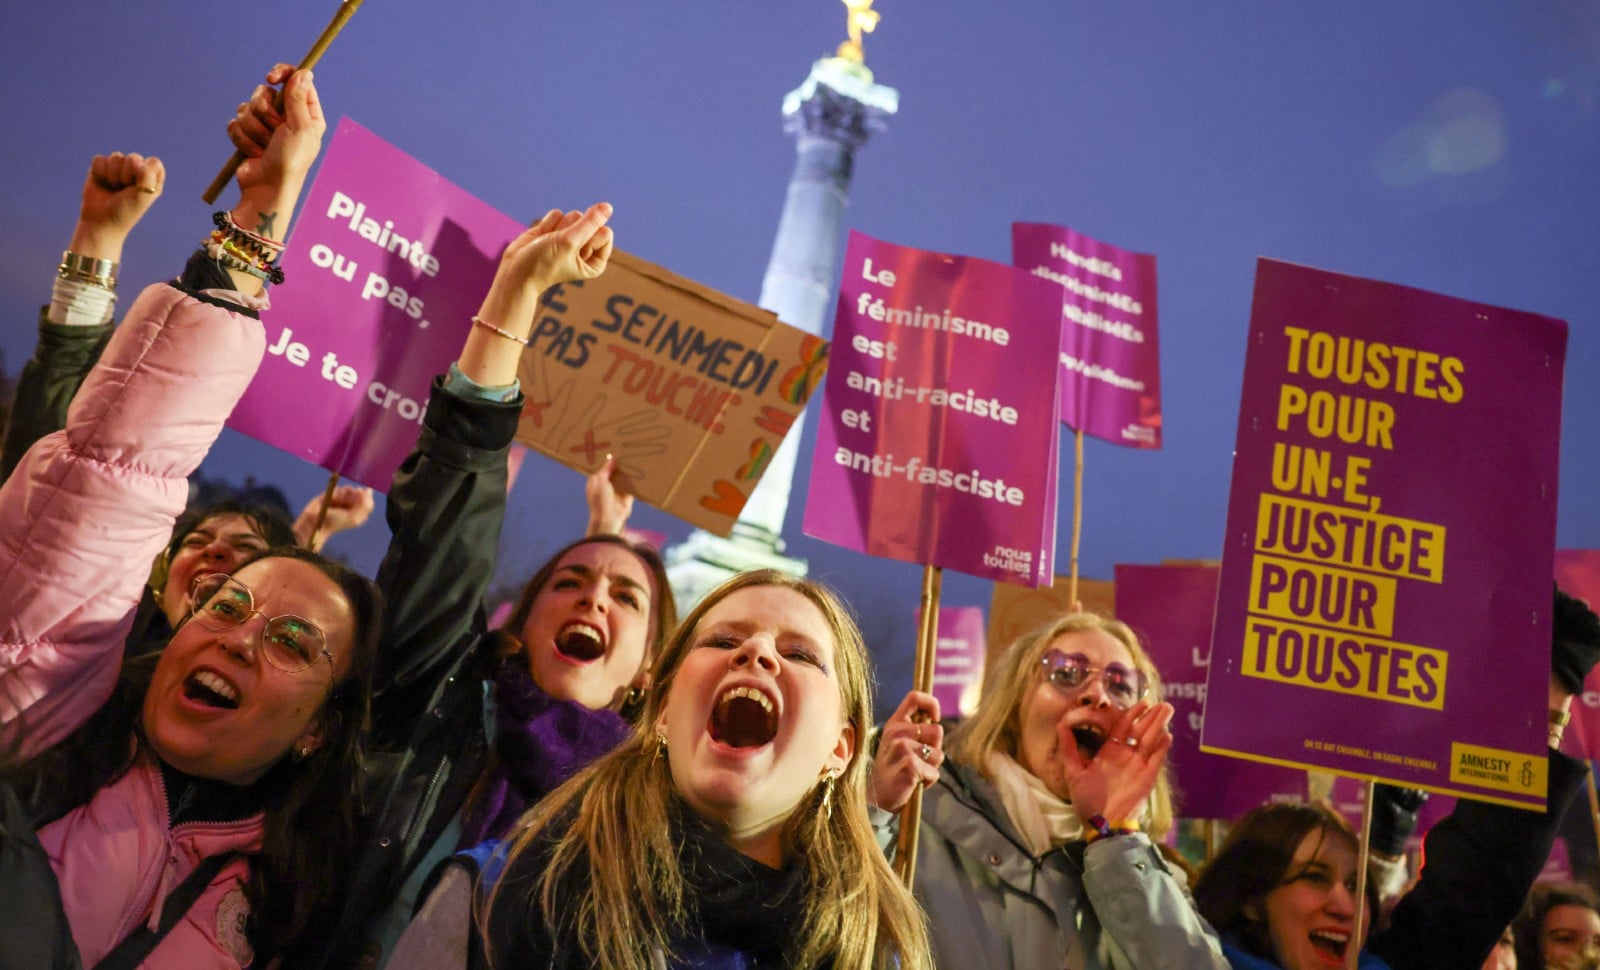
1170, 608
938, 439
1384, 594
1110, 368
1578, 573
385, 267
959, 658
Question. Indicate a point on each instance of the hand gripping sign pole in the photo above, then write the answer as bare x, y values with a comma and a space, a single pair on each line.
905, 846
322, 512
347, 9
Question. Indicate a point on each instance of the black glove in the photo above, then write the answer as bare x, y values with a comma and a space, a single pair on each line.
1394, 817
1575, 642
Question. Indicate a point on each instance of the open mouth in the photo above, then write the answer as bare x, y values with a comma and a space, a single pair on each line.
744, 718
1090, 739
205, 687
1330, 944
580, 641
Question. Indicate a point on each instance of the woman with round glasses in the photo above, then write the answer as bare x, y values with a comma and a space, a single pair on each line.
187, 808
1035, 849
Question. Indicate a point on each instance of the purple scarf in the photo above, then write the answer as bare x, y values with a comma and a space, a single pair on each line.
539, 742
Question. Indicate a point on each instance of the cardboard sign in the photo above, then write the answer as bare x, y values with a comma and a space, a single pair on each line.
383, 271
1016, 610
1110, 367
1170, 608
1389, 538
938, 440
692, 390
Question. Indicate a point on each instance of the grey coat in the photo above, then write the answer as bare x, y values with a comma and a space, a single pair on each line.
992, 905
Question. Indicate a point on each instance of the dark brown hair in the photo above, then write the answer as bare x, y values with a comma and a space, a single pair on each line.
311, 805
1258, 857
663, 608
1528, 927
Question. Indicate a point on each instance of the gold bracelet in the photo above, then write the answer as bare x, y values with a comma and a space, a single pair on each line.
480, 322
1559, 718
101, 272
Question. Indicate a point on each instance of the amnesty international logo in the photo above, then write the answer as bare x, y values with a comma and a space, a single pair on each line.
1510, 771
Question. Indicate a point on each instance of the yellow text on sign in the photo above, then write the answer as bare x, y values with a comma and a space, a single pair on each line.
1301, 592
1402, 673
1340, 536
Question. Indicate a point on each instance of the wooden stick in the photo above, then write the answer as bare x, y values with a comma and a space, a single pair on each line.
347, 9
905, 846
1352, 952
1594, 807
1077, 512
322, 513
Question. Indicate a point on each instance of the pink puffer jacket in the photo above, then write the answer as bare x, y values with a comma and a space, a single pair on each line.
116, 860
81, 519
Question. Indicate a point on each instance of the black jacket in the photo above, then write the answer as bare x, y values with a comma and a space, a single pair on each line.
1478, 864
61, 359
428, 745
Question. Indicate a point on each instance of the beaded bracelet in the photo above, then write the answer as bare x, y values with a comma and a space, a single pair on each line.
223, 220
266, 273
101, 272
480, 322
1103, 829
242, 247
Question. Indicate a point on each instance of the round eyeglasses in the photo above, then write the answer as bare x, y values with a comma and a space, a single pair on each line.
291, 643
1068, 672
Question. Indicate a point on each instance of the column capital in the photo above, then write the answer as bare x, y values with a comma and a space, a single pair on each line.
840, 102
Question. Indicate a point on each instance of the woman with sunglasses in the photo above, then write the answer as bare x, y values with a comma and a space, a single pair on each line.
1036, 844
188, 808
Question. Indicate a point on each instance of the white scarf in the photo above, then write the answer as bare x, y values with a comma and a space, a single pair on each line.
1043, 820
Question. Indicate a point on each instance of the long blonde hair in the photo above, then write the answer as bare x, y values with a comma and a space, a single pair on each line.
619, 847
996, 725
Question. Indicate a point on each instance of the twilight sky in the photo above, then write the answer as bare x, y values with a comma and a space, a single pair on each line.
1455, 151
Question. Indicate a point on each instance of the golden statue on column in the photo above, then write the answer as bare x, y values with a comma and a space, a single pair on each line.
861, 19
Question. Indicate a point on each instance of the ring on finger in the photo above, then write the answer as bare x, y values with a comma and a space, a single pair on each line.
919, 733
927, 753
1131, 742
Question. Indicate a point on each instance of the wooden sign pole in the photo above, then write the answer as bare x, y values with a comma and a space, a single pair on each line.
347, 9
905, 853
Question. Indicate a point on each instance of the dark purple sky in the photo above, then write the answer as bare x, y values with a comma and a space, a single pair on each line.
1453, 148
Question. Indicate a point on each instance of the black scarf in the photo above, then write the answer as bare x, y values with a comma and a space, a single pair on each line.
742, 915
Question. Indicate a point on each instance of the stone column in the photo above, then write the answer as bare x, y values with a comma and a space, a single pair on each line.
831, 115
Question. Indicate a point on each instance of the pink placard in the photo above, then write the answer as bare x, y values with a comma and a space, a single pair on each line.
959, 659
1380, 589
1110, 364
1170, 608
1578, 573
386, 265
938, 439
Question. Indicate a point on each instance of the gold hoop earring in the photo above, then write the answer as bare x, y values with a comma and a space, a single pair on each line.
158, 577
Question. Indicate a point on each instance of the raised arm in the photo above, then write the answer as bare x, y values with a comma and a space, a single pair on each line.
90, 506
73, 329
279, 142
448, 499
